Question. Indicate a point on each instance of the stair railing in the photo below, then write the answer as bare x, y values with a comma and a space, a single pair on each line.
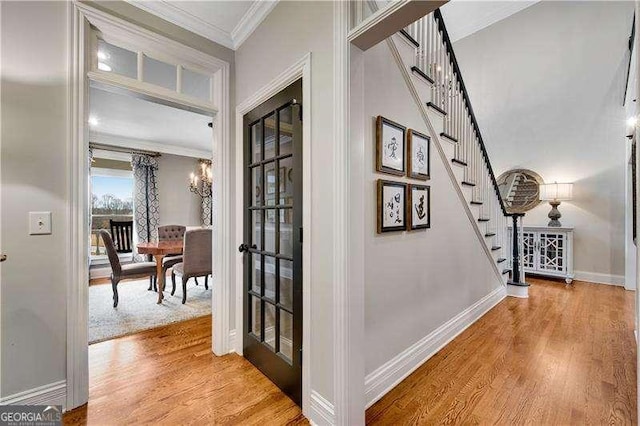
437, 62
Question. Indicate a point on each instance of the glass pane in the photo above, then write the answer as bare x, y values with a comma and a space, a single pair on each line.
257, 228
286, 232
256, 278
117, 60
286, 181
255, 316
270, 230
286, 283
159, 73
256, 142
270, 184
270, 324
286, 334
270, 277
270, 136
286, 130
256, 183
196, 84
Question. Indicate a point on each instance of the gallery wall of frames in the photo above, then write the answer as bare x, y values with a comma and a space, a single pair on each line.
402, 152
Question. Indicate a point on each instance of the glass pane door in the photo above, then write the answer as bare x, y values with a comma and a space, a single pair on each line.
272, 339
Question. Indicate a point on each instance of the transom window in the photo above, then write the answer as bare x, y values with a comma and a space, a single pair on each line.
127, 64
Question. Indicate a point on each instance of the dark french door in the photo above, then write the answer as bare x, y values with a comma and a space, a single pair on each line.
272, 336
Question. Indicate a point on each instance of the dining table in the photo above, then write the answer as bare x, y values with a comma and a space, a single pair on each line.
160, 249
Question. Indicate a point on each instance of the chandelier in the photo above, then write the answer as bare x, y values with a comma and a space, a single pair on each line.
201, 184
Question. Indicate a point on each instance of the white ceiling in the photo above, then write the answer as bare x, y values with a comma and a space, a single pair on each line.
131, 122
465, 17
228, 23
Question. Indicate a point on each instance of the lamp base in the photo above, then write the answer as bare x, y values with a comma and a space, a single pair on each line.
554, 214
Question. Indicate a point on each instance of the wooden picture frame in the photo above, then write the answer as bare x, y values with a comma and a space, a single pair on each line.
418, 217
418, 155
390, 152
391, 206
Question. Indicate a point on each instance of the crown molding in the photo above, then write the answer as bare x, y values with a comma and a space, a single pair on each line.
145, 145
172, 12
251, 20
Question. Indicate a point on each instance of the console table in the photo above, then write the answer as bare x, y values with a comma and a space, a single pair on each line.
548, 251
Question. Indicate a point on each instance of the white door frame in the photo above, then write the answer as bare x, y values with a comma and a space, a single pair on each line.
80, 16
301, 69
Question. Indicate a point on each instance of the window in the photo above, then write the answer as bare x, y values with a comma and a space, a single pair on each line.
111, 199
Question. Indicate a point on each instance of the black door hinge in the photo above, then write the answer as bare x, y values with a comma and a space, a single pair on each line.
300, 359
300, 235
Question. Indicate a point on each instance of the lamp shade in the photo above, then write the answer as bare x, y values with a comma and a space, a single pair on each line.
556, 191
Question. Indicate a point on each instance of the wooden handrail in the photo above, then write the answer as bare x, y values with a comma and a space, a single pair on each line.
456, 69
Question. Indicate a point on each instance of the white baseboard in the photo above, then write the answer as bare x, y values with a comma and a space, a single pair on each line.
51, 394
387, 376
597, 278
321, 411
100, 272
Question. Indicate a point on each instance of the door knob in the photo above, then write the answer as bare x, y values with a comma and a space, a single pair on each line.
3, 257
244, 248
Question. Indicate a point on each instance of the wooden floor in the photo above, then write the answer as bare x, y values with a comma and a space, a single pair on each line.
169, 376
564, 356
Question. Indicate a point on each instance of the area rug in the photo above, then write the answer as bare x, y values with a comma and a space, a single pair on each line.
137, 309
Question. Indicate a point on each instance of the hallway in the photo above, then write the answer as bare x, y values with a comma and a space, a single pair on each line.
566, 355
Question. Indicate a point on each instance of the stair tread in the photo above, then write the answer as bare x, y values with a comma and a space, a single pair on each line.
421, 73
465, 183
408, 37
490, 234
506, 271
459, 162
483, 219
502, 259
436, 107
448, 136
494, 248
476, 203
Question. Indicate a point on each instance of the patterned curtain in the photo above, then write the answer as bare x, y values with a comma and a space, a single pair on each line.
207, 210
146, 207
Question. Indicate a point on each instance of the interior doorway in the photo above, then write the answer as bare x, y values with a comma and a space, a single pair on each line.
150, 180
273, 235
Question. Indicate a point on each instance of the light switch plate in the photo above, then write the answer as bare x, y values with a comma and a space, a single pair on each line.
39, 223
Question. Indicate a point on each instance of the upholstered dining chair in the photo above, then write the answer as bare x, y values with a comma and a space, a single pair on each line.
196, 259
169, 233
128, 271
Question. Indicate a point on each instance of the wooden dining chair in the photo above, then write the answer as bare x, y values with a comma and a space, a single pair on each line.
128, 271
196, 260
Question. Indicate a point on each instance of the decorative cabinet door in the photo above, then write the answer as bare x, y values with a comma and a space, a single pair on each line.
552, 252
529, 250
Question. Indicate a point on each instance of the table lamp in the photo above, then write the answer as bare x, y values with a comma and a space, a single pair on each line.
554, 193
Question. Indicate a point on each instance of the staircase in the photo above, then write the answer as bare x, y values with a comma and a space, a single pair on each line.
432, 72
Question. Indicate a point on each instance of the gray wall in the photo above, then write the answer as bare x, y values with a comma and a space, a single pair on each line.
33, 175
34, 168
178, 205
547, 88
290, 31
414, 281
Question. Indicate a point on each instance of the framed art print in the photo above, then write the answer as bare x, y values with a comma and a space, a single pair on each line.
419, 207
392, 201
418, 153
390, 147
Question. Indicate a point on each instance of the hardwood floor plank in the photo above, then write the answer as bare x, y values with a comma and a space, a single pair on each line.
169, 376
566, 355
